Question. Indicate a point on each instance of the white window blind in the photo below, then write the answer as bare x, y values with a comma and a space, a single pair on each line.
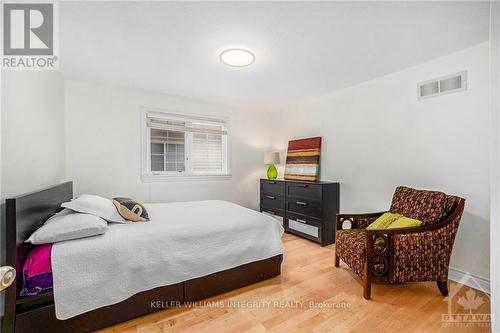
196, 126
207, 153
186, 146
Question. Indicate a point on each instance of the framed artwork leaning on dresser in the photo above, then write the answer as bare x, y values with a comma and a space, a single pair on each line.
302, 159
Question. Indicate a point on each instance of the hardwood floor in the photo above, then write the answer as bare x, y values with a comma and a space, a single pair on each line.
312, 295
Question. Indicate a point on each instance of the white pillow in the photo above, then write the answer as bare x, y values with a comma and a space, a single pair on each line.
67, 225
95, 205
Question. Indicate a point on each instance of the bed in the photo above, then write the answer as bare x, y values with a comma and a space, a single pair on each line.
183, 283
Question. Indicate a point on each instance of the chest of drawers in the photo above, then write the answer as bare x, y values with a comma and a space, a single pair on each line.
308, 209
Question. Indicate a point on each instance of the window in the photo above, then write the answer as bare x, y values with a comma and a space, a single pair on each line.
167, 150
177, 146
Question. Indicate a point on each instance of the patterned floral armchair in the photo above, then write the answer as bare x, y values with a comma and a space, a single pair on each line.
411, 254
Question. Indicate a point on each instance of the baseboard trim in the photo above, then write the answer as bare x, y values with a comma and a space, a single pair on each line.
469, 279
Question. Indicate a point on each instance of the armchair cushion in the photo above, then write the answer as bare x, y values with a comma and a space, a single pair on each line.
350, 247
426, 206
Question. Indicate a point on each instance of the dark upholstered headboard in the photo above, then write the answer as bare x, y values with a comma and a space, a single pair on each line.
26, 213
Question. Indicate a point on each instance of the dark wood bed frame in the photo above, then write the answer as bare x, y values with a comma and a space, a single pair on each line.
26, 213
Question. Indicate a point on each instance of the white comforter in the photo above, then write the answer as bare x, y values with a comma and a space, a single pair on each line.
182, 241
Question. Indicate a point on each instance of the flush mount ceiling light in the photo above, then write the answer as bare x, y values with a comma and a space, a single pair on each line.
237, 57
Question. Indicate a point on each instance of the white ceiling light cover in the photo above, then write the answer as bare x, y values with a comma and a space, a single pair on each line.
237, 57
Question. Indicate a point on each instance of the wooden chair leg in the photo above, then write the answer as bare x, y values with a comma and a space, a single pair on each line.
367, 289
337, 260
443, 287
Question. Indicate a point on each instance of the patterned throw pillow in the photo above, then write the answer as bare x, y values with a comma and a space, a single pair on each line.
131, 210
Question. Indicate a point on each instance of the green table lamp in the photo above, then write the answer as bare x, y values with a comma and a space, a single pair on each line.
272, 158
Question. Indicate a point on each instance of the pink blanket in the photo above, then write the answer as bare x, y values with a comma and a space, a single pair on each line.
37, 271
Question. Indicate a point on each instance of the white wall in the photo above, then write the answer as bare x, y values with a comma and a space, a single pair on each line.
103, 146
32, 130
32, 135
377, 135
495, 162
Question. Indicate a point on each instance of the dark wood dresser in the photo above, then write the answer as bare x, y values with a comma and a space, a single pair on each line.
308, 208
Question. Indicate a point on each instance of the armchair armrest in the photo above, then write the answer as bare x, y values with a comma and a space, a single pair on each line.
358, 221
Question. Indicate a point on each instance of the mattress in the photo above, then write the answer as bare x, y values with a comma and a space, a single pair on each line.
182, 241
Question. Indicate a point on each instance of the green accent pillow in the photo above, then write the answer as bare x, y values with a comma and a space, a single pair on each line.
384, 221
404, 222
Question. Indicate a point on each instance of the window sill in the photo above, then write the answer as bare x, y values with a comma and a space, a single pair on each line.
149, 178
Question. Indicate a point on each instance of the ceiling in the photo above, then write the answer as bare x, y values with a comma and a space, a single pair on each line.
301, 48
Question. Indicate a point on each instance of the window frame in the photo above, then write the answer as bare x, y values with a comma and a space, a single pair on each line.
158, 176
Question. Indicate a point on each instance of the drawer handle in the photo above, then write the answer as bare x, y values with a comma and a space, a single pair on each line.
302, 185
301, 221
301, 203
270, 197
271, 183
270, 212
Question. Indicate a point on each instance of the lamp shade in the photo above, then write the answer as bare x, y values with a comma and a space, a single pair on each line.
272, 158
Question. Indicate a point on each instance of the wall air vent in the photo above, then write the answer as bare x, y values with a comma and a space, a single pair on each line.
442, 85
